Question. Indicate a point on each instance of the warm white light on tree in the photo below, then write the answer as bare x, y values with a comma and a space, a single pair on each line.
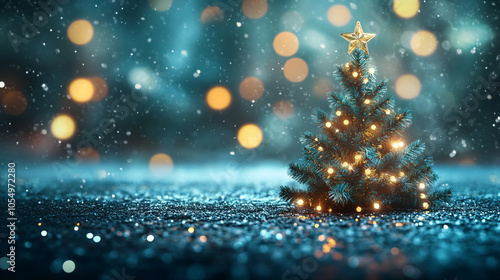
363, 146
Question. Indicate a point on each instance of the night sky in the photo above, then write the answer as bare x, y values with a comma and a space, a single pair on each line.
132, 79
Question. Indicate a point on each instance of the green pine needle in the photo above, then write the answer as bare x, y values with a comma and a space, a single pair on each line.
359, 159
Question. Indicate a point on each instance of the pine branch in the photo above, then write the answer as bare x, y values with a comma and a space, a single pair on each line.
440, 196
307, 174
413, 152
339, 194
396, 124
388, 163
291, 195
352, 162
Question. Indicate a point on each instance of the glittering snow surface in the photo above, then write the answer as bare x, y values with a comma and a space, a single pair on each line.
227, 222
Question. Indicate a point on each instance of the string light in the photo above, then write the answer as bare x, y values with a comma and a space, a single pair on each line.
358, 209
423, 196
320, 148
376, 205
373, 127
350, 167
330, 170
316, 139
425, 205
365, 80
368, 171
346, 122
367, 101
371, 71
398, 144
357, 157
338, 113
318, 207
387, 111
300, 202
328, 124
421, 186
355, 74
347, 65
393, 179
337, 130
401, 174
345, 164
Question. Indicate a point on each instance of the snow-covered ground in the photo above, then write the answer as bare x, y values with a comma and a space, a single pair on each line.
226, 221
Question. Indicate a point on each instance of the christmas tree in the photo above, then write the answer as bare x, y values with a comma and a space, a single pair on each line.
360, 161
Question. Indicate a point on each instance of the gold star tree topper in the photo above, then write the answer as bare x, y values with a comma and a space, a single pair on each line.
358, 39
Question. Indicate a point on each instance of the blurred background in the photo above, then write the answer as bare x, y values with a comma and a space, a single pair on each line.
167, 82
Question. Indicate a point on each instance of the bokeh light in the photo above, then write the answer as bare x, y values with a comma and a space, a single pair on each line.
423, 43
292, 20
408, 86
68, 266
250, 136
212, 14
81, 90
14, 102
100, 88
322, 87
218, 98
339, 15
251, 88
406, 8
88, 154
254, 9
63, 127
161, 164
286, 44
295, 70
80, 32
470, 34
283, 109
160, 5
